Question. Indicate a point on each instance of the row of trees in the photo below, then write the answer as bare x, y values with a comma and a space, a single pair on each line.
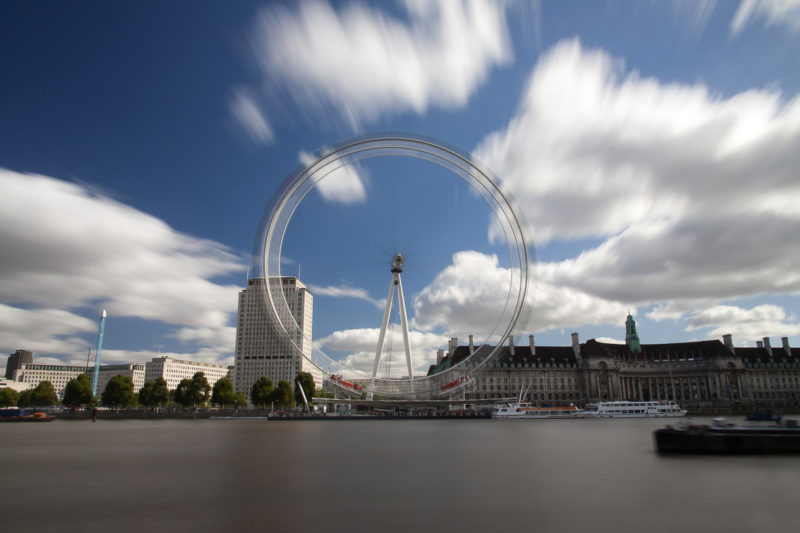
44, 394
192, 392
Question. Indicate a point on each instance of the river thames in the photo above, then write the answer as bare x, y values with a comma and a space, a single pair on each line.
407, 475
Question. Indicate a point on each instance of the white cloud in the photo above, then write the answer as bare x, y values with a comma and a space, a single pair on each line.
764, 320
692, 193
773, 13
66, 248
469, 297
362, 63
44, 330
342, 185
346, 292
249, 116
363, 342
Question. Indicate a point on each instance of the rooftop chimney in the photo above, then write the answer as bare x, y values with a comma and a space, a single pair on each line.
511, 344
471, 345
576, 345
767, 346
727, 339
531, 344
785, 342
452, 345
759, 344
439, 356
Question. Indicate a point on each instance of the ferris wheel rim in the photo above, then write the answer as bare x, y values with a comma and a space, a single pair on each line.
300, 182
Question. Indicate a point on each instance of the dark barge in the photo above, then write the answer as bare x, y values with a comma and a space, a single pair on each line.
722, 438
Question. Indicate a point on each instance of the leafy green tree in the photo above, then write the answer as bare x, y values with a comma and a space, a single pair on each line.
8, 397
201, 390
262, 392
239, 400
154, 393
26, 398
44, 394
305, 380
78, 391
183, 393
118, 392
222, 393
284, 396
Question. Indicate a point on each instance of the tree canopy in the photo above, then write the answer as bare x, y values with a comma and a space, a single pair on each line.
262, 391
154, 393
284, 395
306, 381
222, 393
118, 392
8, 397
44, 394
78, 391
193, 392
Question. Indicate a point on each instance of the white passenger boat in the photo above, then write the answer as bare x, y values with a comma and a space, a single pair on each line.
527, 410
636, 410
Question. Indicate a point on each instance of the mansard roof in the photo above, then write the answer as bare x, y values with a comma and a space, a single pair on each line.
754, 356
672, 350
565, 355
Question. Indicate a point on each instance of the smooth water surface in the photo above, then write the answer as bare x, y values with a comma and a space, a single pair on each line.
423, 475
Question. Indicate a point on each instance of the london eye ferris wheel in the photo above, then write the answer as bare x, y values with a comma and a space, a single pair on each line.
433, 159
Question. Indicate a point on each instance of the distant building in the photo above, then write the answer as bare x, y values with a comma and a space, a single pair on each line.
14, 385
57, 375
695, 374
262, 350
131, 370
16, 359
175, 370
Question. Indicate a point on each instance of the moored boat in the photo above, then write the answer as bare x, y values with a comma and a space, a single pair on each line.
636, 410
527, 410
20, 415
723, 438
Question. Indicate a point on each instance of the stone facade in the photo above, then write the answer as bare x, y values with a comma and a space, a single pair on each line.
707, 373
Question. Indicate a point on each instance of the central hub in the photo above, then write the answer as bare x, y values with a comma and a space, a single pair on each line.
397, 263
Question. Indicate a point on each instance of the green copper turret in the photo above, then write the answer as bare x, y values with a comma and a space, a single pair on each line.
631, 338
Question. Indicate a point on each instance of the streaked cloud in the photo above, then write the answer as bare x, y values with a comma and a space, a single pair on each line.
785, 13
342, 185
249, 116
346, 292
66, 247
694, 197
360, 63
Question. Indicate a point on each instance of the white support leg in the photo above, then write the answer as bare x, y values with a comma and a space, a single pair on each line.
384, 323
404, 326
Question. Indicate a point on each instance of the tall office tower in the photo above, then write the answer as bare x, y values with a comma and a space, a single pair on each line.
16, 360
263, 350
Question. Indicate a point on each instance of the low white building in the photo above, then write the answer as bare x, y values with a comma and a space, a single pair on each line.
57, 375
132, 370
14, 385
175, 370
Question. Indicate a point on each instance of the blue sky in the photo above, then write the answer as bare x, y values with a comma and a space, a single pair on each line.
651, 148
